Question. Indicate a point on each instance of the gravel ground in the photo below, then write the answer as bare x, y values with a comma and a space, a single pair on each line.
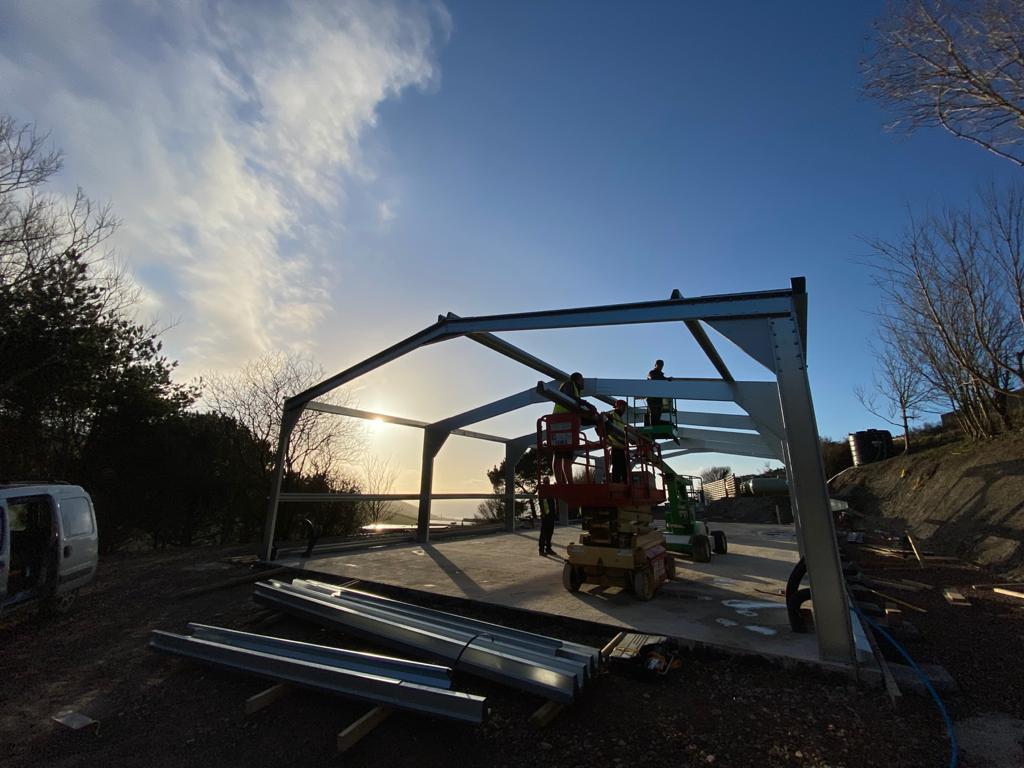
159, 711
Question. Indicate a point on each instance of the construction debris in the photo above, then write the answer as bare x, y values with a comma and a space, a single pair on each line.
397, 683
267, 697
913, 546
361, 728
538, 664
953, 597
1009, 593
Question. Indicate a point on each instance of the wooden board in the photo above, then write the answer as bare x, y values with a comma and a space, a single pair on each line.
900, 585
914, 547
629, 646
545, 714
953, 597
1009, 592
896, 600
266, 698
361, 728
246, 579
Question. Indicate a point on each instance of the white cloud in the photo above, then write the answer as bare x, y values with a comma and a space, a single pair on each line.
386, 211
225, 136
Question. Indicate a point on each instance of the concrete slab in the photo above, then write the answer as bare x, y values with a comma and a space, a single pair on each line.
734, 601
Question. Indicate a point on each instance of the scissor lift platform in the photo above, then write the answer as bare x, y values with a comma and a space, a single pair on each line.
618, 546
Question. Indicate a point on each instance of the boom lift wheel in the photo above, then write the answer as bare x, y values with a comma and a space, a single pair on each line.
721, 544
701, 546
571, 578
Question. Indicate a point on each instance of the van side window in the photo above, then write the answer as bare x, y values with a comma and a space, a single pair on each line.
76, 516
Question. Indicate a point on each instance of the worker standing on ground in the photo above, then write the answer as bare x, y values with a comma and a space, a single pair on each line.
615, 434
547, 527
655, 404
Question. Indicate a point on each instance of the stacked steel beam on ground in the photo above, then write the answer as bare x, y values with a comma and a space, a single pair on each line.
381, 680
538, 664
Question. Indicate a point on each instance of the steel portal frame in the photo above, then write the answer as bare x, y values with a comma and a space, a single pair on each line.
769, 326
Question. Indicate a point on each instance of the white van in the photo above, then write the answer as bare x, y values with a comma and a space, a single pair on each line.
49, 545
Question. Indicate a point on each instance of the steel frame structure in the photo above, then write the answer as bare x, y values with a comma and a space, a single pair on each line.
769, 326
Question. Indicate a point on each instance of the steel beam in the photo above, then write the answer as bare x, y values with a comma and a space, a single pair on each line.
355, 661
513, 352
477, 658
490, 410
722, 420
746, 439
678, 389
740, 305
551, 645
356, 413
706, 446
342, 497
701, 337
365, 687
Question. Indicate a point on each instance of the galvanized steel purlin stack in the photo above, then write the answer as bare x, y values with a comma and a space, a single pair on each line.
381, 680
537, 664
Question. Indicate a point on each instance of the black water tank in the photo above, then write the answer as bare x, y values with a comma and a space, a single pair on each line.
870, 445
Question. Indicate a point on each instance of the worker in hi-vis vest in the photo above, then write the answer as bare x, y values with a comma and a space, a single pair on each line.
615, 434
562, 461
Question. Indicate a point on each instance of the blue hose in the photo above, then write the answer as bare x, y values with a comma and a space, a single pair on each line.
938, 702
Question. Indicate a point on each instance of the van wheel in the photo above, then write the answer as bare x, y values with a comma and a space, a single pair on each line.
60, 604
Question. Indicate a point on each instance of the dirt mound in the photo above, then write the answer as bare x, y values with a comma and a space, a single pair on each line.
750, 509
958, 499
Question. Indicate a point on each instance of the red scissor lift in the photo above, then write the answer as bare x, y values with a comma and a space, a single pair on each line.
618, 546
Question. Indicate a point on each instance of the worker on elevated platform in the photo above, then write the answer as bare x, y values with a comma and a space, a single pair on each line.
656, 404
562, 461
615, 434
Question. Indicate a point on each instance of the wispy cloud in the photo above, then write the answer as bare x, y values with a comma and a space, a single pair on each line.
226, 135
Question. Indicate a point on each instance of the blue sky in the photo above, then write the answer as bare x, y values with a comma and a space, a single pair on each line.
330, 177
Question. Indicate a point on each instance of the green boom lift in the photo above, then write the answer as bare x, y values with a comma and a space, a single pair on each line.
684, 533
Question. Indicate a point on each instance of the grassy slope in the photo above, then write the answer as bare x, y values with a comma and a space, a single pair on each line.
958, 498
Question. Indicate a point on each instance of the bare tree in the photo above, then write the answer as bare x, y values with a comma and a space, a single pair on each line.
35, 226
951, 290
710, 474
379, 476
899, 388
255, 396
958, 65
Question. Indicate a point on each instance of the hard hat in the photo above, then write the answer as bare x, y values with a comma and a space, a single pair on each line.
620, 402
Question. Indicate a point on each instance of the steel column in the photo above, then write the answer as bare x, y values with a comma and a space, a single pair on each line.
810, 496
289, 418
432, 442
513, 453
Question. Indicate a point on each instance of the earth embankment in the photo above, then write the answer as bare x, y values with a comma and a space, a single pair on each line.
962, 499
